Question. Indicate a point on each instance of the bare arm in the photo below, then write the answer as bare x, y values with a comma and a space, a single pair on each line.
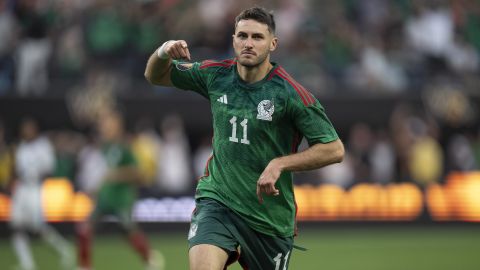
159, 65
317, 156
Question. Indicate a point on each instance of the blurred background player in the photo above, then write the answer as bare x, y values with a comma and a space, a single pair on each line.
34, 160
117, 194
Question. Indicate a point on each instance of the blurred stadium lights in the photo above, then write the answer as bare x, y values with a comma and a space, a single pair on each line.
456, 200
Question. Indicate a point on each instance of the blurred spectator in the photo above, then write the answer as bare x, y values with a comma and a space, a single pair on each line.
289, 17
149, 29
6, 159
402, 140
460, 152
468, 19
201, 156
91, 168
67, 144
462, 56
174, 170
426, 154
146, 147
382, 159
34, 48
449, 103
340, 174
8, 36
107, 30
377, 72
339, 43
86, 101
431, 30
70, 54
359, 144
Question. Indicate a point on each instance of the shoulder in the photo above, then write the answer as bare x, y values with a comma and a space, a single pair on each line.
217, 64
294, 89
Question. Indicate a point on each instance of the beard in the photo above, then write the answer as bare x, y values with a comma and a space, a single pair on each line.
253, 61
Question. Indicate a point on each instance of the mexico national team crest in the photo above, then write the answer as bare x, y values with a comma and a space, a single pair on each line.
265, 110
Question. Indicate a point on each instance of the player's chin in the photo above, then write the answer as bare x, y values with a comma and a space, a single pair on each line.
248, 62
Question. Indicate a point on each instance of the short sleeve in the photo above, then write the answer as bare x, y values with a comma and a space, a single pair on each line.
312, 121
189, 76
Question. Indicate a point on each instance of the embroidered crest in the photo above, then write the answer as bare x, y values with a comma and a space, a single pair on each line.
193, 231
265, 110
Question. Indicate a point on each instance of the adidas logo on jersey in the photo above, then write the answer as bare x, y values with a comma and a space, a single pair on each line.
223, 99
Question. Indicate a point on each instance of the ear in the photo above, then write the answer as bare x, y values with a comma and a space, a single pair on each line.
273, 44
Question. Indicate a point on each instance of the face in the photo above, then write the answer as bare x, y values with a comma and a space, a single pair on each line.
253, 43
109, 127
28, 130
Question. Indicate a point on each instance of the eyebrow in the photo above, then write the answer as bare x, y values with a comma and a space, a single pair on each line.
253, 34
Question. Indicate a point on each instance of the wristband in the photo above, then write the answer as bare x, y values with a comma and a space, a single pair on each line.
161, 52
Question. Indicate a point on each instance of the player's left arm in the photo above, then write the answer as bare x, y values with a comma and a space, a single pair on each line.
325, 148
314, 157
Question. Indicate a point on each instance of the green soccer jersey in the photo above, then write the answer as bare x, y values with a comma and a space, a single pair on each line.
253, 124
113, 194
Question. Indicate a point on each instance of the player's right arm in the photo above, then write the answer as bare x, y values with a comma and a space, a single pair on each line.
159, 65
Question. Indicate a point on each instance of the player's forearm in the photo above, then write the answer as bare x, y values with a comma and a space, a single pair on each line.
157, 70
316, 156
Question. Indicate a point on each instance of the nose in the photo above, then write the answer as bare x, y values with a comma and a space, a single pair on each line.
248, 43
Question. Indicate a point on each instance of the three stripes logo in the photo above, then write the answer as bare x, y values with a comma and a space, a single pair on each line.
223, 99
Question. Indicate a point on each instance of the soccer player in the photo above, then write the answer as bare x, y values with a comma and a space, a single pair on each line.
245, 205
34, 160
117, 194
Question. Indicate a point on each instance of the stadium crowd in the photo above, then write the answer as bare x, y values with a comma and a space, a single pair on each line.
369, 46
425, 49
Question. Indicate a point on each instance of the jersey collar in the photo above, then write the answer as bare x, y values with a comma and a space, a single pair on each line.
254, 85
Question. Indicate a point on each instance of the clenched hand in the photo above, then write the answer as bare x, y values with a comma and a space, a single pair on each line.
267, 180
177, 49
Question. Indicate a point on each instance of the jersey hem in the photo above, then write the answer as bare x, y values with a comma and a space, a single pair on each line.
214, 196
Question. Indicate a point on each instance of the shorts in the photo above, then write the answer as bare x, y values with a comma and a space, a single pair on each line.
26, 209
214, 223
121, 211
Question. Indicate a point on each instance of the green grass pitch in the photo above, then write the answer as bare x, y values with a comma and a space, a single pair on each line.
331, 248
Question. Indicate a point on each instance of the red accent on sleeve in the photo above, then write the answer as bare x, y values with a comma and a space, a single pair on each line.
212, 63
306, 96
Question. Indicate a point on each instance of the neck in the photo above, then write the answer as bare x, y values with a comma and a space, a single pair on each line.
256, 73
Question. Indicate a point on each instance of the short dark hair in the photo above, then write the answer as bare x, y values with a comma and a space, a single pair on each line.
258, 14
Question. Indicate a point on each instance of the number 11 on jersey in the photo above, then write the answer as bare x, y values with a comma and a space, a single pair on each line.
233, 138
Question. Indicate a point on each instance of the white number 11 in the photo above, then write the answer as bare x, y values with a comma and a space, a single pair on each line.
234, 138
278, 261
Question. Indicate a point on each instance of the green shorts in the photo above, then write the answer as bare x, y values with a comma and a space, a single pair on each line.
122, 210
213, 223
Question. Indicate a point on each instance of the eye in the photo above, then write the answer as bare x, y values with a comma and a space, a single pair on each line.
242, 35
257, 37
